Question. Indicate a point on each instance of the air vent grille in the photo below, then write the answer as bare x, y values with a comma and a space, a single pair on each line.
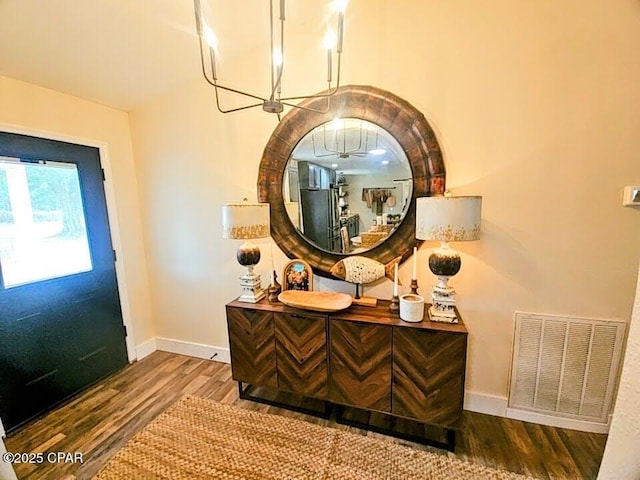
565, 366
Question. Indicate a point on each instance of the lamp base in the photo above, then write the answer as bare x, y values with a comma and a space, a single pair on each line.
443, 302
436, 315
251, 284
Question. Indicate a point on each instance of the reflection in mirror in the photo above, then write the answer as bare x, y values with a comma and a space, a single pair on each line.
347, 186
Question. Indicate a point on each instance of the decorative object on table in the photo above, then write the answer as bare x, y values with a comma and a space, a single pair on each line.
414, 273
274, 288
297, 275
273, 103
361, 271
318, 301
247, 221
448, 219
394, 306
411, 308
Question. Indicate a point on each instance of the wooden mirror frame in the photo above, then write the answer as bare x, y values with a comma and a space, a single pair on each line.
398, 117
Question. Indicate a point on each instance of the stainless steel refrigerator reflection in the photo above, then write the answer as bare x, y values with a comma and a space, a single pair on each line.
321, 217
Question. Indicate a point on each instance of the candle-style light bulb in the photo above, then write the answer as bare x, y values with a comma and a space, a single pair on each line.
341, 6
329, 44
282, 9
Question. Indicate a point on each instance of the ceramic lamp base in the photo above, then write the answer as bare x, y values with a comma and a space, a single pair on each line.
251, 285
443, 317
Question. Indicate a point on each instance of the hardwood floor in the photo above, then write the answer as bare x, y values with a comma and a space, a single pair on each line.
102, 419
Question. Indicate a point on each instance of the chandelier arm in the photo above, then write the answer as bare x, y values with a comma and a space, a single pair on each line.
324, 140
213, 81
313, 144
329, 94
215, 84
236, 109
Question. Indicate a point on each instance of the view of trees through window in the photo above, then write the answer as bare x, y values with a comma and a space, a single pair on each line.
42, 226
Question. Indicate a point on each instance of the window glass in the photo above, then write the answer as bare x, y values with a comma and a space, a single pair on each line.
42, 225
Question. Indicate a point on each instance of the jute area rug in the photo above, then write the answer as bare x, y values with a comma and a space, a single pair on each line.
198, 438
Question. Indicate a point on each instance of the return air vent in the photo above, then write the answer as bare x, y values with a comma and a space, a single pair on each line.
565, 367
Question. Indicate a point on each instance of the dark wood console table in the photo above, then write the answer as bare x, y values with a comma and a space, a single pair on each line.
362, 357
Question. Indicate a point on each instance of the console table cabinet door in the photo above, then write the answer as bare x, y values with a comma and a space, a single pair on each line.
252, 346
301, 353
428, 375
360, 365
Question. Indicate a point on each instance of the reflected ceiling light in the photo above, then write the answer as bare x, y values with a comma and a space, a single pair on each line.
385, 162
341, 137
274, 102
334, 165
378, 151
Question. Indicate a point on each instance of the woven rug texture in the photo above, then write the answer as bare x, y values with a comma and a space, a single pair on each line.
200, 439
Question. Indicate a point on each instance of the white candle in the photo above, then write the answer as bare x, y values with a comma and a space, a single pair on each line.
395, 281
273, 268
415, 261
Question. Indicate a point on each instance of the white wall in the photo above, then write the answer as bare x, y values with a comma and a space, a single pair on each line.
534, 106
622, 453
26, 108
6, 469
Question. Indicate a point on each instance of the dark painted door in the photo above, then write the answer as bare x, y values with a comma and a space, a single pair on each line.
61, 324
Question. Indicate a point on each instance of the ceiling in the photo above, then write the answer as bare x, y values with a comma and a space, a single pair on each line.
123, 53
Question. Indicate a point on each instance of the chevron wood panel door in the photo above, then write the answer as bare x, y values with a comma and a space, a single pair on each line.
301, 353
428, 375
252, 346
360, 357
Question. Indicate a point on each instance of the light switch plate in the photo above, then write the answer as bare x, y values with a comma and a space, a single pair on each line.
631, 197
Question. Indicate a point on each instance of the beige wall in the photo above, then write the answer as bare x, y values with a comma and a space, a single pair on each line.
26, 108
535, 105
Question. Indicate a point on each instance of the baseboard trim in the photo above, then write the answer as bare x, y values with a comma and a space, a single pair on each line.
484, 403
560, 422
192, 349
146, 348
499, 406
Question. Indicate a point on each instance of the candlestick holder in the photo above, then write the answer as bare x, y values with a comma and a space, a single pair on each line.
274, 289
414, 286
394, 306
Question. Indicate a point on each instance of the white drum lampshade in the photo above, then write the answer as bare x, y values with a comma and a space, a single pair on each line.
247, 221
447, 219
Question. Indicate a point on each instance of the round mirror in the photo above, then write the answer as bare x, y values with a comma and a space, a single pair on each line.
347, 186
395, 120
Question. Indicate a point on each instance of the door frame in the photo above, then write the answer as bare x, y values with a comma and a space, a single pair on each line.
112, 212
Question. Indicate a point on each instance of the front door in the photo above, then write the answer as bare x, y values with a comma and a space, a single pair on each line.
60, 319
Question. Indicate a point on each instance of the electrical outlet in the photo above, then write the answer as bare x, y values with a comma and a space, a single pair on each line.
631, 197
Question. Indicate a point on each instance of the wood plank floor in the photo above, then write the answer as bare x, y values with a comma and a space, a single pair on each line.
102, 419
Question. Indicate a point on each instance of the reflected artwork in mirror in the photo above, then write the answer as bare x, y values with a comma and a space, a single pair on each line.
347, 186
331, 164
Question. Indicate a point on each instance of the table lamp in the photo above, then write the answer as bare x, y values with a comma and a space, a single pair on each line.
247, 221
448, 219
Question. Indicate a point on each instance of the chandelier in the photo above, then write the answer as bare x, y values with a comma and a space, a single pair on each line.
274, 102
346, 138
